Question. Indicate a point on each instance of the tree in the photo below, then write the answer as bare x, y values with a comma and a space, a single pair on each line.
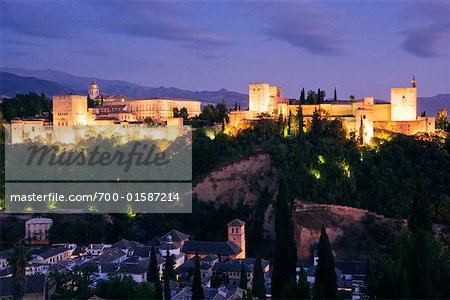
316, 127
303, 288
351, 98
280, 125
258, 287
124, 287
335, 95
325, 285
285, 249
312, 97
420, 215
153, 274
72, 284
184, 114
442, 122
168, 274
289, 123
301, 124
176, 112
197, 288
361, 132
243, 279
149, 121
18, 261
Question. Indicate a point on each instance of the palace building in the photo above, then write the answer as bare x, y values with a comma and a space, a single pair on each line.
364, 116
71, 113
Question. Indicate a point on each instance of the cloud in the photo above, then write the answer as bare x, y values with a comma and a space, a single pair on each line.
145, 19
159, 20
429, 34
306, 25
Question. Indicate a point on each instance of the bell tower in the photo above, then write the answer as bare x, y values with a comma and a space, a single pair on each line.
94, 90
236, 234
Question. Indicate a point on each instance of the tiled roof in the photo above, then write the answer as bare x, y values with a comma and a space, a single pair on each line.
53, 252
110, 255
236, 223
143, 251
232, 266
79, 250
126, 244
189, 266
177, 236
39, 221
34, 284
125, 267
203, 247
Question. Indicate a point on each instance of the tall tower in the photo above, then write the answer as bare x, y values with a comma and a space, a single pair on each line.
94, 90
236, 234
69, 110
404, 104
258, 94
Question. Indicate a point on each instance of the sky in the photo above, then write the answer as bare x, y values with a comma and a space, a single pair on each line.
363, 48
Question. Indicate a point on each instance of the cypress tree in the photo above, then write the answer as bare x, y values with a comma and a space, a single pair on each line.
285, 248
153, 274
235, 106
319, 96
169, 266
316, 127
302, 96
168, 271
335, 94
361, 132
243, 279
258, 288
301, 133
303, 288
325, 285
289, 122
197, 288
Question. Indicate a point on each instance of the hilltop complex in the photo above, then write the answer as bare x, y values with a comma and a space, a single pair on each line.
363, 116
399, 116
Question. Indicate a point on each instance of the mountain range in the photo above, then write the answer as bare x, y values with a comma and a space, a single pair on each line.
51, 82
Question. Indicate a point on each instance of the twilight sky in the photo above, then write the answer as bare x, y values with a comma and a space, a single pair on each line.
361, 47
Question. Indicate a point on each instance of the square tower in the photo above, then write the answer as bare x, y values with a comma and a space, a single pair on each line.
236, 234
69, 110
258, 96
404, 104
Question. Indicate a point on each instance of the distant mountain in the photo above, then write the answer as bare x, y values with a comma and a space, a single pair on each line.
80, 85
432, 104
11, 84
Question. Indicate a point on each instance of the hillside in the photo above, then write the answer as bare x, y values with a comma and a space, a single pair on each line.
354, 233
432, 104
79, 84
11, 84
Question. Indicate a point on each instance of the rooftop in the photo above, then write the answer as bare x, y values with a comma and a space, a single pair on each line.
236, 223
39, 221
204, 247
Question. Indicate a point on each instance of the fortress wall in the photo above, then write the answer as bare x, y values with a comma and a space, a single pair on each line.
422, 124
382, 112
